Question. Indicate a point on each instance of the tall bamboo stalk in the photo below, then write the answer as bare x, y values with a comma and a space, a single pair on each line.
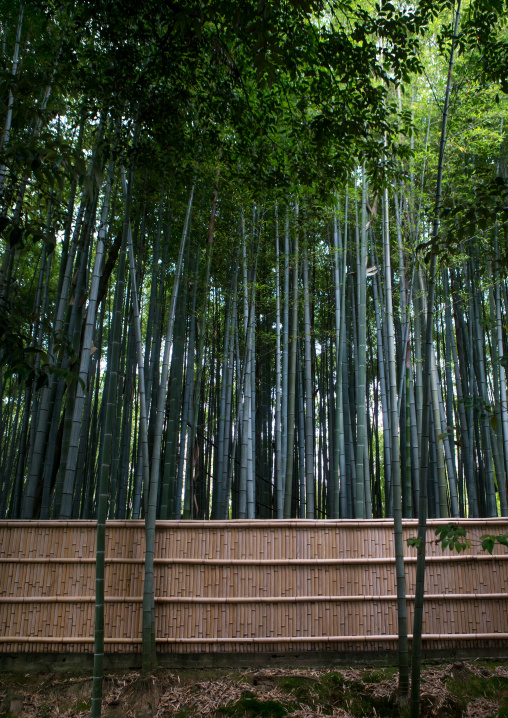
422, 514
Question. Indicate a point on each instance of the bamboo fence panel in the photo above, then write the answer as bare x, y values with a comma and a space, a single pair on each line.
244, 586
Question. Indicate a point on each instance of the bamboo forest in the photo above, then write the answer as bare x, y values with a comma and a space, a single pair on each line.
254, 259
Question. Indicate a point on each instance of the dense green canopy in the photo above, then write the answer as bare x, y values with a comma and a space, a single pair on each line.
295, 127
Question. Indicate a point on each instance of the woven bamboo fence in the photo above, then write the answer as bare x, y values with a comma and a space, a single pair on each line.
241, 586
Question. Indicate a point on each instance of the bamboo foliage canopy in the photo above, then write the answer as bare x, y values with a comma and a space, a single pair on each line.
217, 231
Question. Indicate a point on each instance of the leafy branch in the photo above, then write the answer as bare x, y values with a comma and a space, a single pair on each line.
453, 536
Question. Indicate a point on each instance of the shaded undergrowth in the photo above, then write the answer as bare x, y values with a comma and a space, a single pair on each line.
459, 690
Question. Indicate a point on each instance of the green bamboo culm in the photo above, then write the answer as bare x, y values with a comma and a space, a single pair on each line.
149, 660
103, 479
403, 648
291, 401
424, 452
361, 439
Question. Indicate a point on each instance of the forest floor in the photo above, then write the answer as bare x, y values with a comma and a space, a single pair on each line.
465, 690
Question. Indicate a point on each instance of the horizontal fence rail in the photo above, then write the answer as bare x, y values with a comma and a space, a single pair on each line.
237, 586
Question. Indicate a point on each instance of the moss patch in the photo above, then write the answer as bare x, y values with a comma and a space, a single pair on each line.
334, 690
249, 706
466, 688
302, 688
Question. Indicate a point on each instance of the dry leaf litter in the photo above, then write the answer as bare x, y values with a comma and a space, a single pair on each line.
127, 693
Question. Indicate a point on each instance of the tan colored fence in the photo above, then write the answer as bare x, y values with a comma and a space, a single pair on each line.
245, 586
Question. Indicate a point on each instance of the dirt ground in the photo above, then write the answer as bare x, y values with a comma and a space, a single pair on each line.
458, 690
